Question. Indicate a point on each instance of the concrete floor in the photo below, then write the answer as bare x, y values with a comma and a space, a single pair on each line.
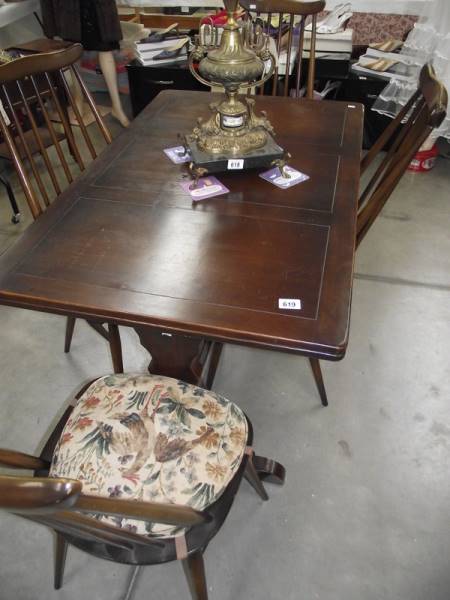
365, 511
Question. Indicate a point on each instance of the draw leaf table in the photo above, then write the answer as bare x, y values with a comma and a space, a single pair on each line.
125, 244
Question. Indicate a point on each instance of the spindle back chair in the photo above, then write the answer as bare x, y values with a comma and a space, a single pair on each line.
298, 14
33, 90
424, 112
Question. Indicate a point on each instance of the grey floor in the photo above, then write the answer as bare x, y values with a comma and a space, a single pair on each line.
365, 511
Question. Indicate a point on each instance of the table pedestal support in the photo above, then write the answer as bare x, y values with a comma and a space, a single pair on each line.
190, 359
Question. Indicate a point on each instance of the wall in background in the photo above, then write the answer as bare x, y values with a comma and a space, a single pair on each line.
18, 24
402, 7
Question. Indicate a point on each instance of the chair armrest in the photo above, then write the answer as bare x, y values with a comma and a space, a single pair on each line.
170, 514
18, 460
37, 495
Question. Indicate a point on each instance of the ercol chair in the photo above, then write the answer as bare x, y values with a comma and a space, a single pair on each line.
424, 112
297, 14
29, 86
142, 470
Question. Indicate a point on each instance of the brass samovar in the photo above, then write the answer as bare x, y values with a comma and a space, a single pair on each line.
240, 61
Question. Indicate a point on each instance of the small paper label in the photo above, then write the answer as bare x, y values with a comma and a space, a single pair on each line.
290, 303
206, 187
252, 6
185, 9
232, 121
293, 177
178, 154
235, 164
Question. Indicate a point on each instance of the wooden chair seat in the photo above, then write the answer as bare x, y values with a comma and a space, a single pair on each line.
152, 438
141, 470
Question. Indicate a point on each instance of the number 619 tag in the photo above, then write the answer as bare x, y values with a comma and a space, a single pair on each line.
289, 303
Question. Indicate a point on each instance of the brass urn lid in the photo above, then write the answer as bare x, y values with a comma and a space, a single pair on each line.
231, 63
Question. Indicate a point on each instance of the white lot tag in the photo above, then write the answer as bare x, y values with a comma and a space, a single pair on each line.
290, 303
235, 163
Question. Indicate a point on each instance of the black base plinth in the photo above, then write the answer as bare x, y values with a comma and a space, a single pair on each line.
261, 157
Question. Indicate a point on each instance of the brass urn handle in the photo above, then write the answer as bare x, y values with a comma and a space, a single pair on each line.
265, 78
194, 56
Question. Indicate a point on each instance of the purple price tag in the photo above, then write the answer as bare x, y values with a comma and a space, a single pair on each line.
274, 176
178, 154
207, 187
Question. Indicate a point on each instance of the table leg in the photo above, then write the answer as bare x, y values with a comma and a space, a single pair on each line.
193, 360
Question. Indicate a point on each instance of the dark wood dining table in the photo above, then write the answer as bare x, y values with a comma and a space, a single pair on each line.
126, 244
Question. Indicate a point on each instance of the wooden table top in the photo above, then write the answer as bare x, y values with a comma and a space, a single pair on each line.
125, 243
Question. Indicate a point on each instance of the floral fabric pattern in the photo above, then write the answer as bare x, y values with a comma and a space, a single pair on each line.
154, 439
377, 27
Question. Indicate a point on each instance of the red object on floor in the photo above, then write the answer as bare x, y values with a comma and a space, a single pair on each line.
220, 17
424, 161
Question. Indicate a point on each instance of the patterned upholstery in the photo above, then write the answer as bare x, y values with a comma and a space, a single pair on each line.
151, 438
377, 27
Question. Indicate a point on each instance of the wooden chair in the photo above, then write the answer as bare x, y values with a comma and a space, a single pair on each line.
29, 86
198, 445
424, 112
292, 9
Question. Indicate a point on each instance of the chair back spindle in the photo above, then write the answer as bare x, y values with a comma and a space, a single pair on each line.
290, 15
34, 91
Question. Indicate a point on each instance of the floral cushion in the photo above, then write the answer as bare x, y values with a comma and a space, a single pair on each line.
151, 438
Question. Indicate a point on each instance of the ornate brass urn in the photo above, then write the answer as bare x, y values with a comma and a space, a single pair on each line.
240, 61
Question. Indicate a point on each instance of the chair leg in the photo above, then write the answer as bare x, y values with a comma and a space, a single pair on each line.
12, 200
214, 363
60, 560
115, 347
251, 475
70, 324
194, 569
317, 372
132, 582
